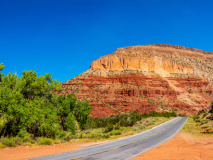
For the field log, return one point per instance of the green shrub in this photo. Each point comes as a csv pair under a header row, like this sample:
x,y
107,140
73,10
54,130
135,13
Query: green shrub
x,y
96,134
204,115
68,137
108,129
116,132
105,135
195,117
123,120
2,146
117,127
28,144
57,141
45,141
135,128
7,142
80,136
150,123
142,127
18,140
60,135
197,120
200,111
204,121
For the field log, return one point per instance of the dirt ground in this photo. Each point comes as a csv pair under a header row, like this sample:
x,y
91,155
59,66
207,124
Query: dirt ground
x,y
22,152
182,147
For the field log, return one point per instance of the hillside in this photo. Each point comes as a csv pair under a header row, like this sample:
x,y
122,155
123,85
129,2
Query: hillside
x,y
146,78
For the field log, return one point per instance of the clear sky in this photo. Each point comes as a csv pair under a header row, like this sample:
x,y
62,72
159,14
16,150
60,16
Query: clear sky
x,y
63,37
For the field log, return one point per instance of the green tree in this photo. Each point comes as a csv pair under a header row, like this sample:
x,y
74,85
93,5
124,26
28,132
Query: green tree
x,y
1,68
32,86
65,106
30,104
81,112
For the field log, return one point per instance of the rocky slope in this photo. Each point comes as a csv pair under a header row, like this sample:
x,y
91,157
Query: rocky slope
x,y
146,78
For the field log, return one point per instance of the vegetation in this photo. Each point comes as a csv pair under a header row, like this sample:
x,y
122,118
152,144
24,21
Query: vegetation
x,y
30,108
200,124
123,120
32,112
115,131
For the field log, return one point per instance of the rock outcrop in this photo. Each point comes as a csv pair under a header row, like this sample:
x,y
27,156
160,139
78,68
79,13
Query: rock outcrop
x,y
146,78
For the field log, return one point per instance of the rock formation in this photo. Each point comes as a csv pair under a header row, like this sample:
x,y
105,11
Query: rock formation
x,y
146,78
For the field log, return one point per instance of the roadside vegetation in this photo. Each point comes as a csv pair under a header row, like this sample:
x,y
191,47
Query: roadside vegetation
x,y
200,124
33,113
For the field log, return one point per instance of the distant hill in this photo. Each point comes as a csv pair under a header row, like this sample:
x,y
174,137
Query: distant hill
x,y
146,78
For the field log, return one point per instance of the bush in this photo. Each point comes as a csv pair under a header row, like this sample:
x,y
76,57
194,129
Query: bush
x,y
116,132
28,144
96,134
18,140
105,135
204,115
7,142
197,120
135,128
195,117
45,141
200,111
68,137
2,146
57,141
28,138
142,127
150,123
123,120
80,136
117,127
108,129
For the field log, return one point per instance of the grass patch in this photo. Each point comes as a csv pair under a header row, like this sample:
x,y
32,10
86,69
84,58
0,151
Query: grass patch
x,y
194,127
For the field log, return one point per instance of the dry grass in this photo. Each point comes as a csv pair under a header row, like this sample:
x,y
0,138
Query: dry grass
x,y
194,128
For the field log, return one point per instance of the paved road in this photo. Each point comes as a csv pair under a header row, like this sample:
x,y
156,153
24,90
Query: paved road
x,y
125,148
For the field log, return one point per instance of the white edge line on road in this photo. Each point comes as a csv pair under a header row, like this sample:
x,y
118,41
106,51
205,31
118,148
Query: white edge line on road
x,y
159,142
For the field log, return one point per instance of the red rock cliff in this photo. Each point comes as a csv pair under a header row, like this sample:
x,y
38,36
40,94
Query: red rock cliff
x,y
146,78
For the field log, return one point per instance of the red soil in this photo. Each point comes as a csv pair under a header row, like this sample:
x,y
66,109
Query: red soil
x,y
181,147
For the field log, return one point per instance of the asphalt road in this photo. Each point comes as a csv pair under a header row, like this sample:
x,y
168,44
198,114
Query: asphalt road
x,y
126,148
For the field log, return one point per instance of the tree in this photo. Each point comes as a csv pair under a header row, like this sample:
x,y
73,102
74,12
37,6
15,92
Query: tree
x,y
1,68
30,104
32,86
81,112
65,106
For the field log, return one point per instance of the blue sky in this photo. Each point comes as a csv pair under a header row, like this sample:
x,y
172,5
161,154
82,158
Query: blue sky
x,y
63,37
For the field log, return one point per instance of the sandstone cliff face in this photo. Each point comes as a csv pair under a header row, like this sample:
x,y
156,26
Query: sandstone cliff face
x,y
140,61
146,78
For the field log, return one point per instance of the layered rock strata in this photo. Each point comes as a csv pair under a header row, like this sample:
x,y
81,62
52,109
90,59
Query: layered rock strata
x,y
146,78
